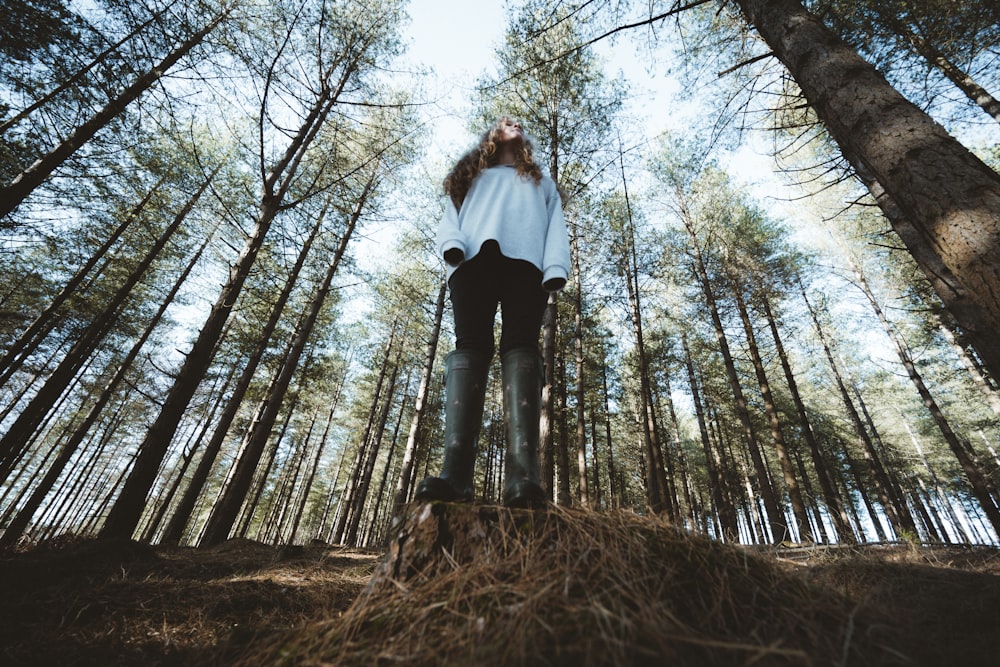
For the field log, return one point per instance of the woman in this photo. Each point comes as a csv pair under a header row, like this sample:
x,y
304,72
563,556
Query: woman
x,y
504,241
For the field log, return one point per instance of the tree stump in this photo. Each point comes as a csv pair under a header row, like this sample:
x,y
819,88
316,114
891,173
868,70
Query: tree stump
x,y
432,538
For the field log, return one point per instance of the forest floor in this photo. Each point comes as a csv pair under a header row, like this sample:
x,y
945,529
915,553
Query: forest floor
x,y
91,602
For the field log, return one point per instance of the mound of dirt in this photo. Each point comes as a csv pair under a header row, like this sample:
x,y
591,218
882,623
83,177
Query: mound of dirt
x,y
466,585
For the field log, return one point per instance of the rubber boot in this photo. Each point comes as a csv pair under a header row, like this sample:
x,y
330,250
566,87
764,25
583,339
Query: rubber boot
x,y
522,398
465,393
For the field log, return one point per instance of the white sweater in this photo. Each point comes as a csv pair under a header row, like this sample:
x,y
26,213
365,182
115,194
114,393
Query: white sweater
x,y
525,219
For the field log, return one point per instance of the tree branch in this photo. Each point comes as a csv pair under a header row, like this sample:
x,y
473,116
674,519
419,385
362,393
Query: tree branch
x,y
591,42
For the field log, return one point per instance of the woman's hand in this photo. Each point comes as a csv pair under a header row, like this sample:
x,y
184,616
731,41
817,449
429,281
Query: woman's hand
x,y
554,284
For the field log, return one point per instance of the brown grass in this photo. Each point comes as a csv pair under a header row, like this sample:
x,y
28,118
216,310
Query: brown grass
x,y
559,587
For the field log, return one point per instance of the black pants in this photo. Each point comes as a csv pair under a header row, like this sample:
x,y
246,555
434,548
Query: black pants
x,y
481,284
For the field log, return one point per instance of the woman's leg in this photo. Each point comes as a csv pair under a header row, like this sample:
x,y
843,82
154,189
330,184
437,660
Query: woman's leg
x,y
474,305
523,301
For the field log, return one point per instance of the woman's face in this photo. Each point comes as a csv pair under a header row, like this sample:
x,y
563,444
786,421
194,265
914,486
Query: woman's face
x,y
509,130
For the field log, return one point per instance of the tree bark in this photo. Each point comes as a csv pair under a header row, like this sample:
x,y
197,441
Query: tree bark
x,y
951,197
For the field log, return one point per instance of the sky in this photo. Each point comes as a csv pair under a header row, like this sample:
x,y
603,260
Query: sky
x,y
459,44
457,38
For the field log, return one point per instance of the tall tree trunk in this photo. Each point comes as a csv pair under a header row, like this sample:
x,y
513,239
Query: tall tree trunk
x,y
656,482
29,179
125,513
21,521
895,508
988,391
420,404
300,507
347,499
182,513
949,195
547,415
13,443
717,481
227,508
979,484
777,434
613,495
80,73
955,296
775,516
364,484
29,340
975,92
581,423
563,495
675,428
834,502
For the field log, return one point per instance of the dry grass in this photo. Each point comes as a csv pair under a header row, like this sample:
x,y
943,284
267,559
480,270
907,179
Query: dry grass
x,y
574,588
513,588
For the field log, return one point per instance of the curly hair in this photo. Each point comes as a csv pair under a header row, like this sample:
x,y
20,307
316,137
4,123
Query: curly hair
x,y
484,155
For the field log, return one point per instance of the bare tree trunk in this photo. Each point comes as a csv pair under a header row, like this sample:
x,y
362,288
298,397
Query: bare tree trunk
x,y
361,494
989,392
581,421
775,516
13,443
416,422
949,195
833,500
125,514
979,484
777,435
371,535
563,495
29,179
182,514
16,353
613,494
979,95
717,481
656,482
681,462
21,521
347,499
227,509
955,296
546,434
895,508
